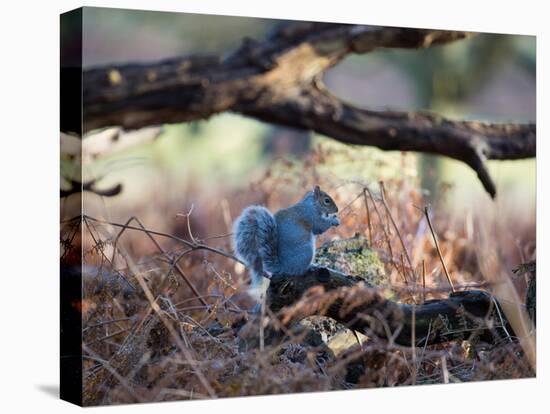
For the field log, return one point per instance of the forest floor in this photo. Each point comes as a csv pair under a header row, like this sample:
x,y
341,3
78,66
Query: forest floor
x,y
163,311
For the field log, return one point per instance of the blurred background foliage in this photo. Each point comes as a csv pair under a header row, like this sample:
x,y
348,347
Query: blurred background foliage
x,y
489,77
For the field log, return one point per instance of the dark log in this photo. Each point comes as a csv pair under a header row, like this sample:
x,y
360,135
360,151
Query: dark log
x,y
463,315
76,187
530,269
279,80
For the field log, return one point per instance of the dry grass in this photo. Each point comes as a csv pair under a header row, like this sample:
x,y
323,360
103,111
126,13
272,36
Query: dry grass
x,y
160,312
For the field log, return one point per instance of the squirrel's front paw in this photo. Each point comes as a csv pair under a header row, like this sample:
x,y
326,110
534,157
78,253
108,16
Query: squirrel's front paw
x,y
335,221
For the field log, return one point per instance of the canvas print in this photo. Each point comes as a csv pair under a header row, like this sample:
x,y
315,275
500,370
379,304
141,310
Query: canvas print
x,y
255,206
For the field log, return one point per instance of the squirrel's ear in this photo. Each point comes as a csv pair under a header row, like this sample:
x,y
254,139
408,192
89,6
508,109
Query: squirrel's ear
x,y
317,191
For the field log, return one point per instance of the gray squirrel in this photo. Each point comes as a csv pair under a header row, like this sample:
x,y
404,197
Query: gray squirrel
x,y
283,243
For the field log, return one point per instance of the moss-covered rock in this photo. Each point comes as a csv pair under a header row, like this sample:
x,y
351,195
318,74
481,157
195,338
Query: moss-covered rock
x,y
353,257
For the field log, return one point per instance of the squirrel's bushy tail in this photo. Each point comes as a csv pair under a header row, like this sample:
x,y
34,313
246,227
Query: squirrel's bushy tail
x,y
255,240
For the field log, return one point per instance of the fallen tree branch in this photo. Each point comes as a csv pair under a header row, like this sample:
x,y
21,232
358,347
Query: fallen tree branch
x,y
76,187
463,315
106,142
280,80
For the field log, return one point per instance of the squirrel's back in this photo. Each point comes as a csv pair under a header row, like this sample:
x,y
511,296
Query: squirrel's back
x,y
296,241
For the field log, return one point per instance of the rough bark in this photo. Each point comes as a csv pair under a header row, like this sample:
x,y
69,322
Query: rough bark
x,y
76,187
463,315
279,80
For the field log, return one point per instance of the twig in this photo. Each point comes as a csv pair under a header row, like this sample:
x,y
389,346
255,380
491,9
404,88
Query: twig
x,y
188,219
219,236
445,289
226,213
179,393
423,281
426,341
93,356
193,245
369,224
497,307
219,276
426,213
95,325
97,243
103,338
444,369
383,197
161,250
261,321
387,237
156,308
348,205
413,343
389,213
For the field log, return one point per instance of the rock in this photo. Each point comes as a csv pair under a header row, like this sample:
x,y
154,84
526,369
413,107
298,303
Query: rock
x,y
318,330
353,257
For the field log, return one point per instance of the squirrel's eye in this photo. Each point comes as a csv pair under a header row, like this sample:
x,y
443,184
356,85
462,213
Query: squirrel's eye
x,y
327,200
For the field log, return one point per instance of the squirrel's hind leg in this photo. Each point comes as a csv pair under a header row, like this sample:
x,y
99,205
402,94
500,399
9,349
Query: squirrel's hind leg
x,y
259,283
